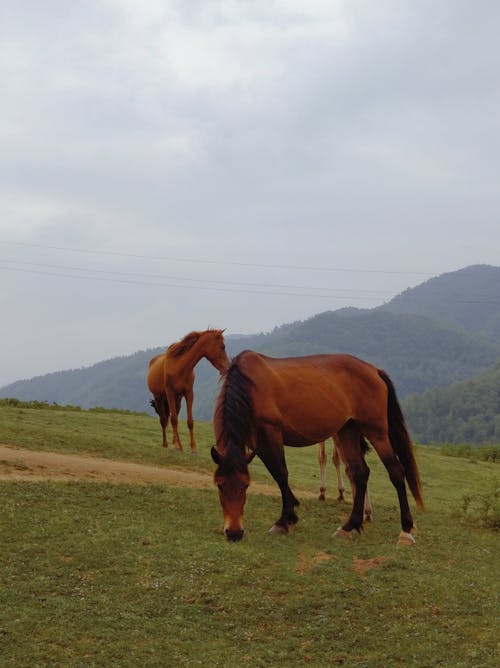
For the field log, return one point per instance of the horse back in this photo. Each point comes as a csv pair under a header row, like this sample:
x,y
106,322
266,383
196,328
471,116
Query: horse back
x,y
312,397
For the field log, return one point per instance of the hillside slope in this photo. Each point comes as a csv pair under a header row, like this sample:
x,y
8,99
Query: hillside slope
x,y
466,412
418,351
469,298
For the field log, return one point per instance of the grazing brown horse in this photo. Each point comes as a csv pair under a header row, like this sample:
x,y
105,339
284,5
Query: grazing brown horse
x,y
171,377
368,510
266,402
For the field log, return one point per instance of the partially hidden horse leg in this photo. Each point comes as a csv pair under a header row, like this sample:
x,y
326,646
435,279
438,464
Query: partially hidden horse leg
x,y
174,402
396,473
322,470
368,510
336,463
358,472
190,421
271,451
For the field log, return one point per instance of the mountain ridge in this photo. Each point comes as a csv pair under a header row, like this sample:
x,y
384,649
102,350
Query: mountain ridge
x,y
419,350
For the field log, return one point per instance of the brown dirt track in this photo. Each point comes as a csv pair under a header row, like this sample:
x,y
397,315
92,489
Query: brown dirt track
x,y
20,464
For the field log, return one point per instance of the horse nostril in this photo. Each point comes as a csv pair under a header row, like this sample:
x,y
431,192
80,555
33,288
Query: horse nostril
x,y
234,535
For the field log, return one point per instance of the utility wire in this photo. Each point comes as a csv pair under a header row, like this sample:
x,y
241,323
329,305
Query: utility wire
x,y
91,271
216,262
204,288
187,287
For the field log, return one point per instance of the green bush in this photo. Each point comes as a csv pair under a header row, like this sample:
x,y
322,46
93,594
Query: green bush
x,y
483,509
485,453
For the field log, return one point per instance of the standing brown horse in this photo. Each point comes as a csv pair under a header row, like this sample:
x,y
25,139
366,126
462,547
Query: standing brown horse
x,y
171,377
266,403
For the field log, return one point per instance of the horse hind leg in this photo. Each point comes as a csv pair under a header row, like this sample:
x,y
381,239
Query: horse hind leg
x,y
322,470
174,403
336,463
358,472
397,476
190,422
161,407
368,509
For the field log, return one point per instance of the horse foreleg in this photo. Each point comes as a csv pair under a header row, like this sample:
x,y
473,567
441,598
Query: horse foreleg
x,y
190,421
271,451
322,470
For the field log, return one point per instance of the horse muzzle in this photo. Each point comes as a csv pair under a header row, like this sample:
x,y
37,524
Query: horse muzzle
x,y
234,536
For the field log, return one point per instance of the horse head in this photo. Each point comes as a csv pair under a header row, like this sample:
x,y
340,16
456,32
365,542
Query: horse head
x,y
215,350
232,479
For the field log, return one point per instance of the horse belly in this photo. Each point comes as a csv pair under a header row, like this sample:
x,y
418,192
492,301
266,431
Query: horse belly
x,y
295,439
308,423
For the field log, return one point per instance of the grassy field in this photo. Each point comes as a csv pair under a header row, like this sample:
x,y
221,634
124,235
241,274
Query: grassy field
x,y
95,574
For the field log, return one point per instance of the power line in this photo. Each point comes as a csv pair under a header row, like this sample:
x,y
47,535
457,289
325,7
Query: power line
x,y
173,285
285,286
204,288
217,262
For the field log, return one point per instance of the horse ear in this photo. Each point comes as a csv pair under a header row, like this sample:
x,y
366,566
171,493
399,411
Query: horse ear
x,y
215,455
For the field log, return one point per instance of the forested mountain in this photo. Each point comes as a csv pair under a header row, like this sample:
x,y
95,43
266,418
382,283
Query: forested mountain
x,y
450,336
466,412
469,298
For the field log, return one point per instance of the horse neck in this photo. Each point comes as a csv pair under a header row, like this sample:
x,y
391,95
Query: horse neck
x,y
192,356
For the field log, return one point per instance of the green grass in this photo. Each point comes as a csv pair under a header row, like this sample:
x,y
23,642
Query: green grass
x,y
97,574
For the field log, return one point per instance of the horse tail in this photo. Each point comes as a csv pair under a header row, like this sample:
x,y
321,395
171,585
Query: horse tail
x,y
234,410
401,441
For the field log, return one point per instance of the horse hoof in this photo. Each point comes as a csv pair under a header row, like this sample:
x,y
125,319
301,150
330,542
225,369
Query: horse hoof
x,y
194,452
278,530
342,533
405,539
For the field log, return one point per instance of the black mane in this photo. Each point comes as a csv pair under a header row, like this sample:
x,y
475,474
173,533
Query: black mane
x,y
235,413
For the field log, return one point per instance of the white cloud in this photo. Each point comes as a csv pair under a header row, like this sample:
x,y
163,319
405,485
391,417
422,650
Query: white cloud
x,y
306,132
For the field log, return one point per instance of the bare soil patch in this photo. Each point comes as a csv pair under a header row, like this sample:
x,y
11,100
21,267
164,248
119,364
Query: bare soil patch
x,y
305,564
362,566
20,464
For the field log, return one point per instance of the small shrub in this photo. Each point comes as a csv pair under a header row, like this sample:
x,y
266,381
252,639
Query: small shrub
x,y
484,453
483,509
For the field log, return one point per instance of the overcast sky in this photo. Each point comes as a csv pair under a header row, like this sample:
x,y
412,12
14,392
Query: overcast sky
x,y
168,166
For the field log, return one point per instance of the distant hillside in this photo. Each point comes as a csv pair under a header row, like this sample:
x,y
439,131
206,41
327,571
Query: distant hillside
x,y
418,353
466,412
469,298
419,350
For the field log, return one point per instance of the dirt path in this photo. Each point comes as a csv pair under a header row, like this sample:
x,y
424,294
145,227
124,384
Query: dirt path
x,y
20,464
